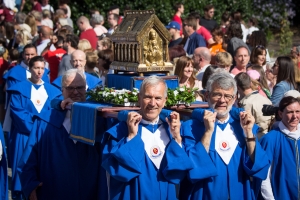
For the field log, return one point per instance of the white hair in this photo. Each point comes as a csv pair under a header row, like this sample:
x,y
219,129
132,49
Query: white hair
x,y
223,79
72,72
153,80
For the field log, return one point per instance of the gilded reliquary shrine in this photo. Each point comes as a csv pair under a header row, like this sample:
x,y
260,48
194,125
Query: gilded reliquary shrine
x,y
140,44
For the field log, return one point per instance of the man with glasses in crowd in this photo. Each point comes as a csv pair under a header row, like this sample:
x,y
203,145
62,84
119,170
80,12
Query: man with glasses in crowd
x,y
207,21
194,40
222,144
53,166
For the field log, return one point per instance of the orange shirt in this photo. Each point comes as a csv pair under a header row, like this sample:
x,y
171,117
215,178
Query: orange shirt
x,y
215,48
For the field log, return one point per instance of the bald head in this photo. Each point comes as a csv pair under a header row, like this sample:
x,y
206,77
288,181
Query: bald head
x,y
45,32
204,52
201,57
78,59
83,23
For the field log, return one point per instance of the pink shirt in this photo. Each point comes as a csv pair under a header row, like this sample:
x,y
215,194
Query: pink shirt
x,y
99,30
236,71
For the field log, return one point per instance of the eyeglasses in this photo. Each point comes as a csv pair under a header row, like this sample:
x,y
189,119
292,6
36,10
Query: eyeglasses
x,y
218,96
72,89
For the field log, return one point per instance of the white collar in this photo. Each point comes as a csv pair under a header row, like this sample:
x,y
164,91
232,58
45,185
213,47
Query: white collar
x,y
225,121
41,83
204,68
285,130
24,65
157,121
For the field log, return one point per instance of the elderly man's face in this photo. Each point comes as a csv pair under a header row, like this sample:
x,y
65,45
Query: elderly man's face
x,y
74,87
78,61
80,25
152,101
242,57
220,100
197,59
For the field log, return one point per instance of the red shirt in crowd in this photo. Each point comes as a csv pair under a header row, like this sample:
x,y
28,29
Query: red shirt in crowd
x,y
120,20
3,66
91,36
204,32
54,58
37,7
176,18
8,14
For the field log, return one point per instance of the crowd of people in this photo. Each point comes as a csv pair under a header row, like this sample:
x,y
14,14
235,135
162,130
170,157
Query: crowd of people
x,y
243,146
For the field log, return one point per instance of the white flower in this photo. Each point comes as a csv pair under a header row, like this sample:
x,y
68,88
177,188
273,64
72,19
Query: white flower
x,y
120,97
175,92
134,93
125,100
181,89
113,93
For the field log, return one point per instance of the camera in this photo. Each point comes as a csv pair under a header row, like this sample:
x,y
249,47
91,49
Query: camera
x,y
269,110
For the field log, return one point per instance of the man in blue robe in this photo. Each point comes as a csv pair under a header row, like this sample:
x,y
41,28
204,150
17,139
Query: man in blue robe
x,y
21,72
17,74
54,166
282,146
222,146
29,98
143,156
78,61
3,168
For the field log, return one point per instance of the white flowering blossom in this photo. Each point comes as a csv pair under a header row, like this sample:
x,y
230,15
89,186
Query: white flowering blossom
x,y
125,100
134,93
120,97
114,93
181,89
175,92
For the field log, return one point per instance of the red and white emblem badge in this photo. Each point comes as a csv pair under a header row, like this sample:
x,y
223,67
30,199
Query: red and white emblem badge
x,y
224,145
155,151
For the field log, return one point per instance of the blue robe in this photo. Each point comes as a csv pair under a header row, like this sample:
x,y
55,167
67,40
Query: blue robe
x,y
91,82
18,74
211,178
22,114
282,151
3,170
67,170
132,173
